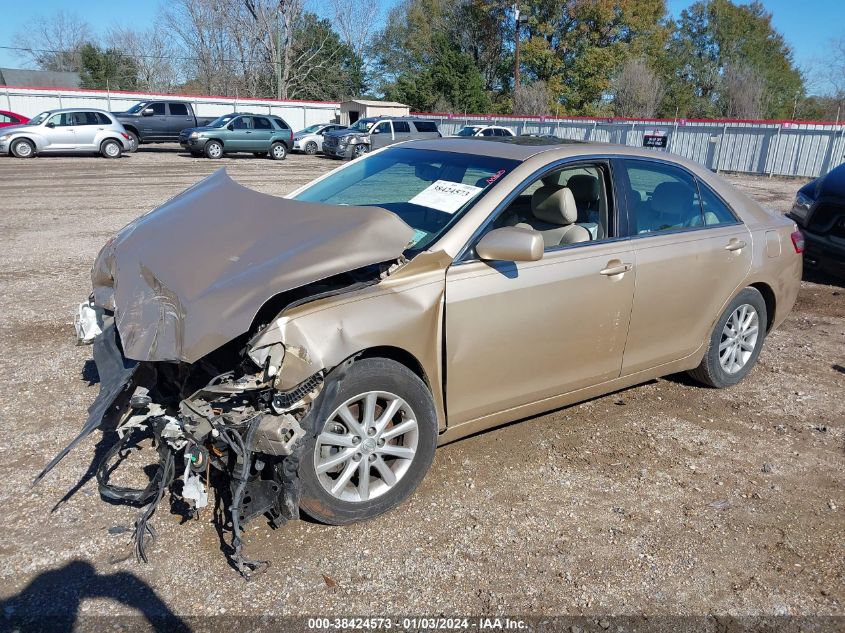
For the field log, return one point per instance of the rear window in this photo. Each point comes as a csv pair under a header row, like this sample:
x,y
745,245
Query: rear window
x,y
425,126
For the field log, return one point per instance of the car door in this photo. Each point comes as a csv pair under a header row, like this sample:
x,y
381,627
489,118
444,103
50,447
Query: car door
x,y
87,126
59,131
179,117
688,264
381,135
261,133
239,135
522,332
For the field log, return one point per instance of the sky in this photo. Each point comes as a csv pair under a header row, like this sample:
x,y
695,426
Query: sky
x,y
807,25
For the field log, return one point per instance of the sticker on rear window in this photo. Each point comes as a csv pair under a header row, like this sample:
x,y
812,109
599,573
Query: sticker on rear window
x,y
446,196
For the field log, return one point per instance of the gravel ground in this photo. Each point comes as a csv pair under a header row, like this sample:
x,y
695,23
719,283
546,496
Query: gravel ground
x,y
666,498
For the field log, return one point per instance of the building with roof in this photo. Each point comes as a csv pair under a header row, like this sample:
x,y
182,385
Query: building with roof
x,y
22,78
354,109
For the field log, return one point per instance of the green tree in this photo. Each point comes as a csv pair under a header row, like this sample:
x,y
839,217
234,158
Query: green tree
x,y
106,68
714,35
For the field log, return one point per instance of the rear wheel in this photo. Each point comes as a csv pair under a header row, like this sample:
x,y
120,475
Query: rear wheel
x,y
214,149
278,151
110,148
310,148
736,341
23,148
374,447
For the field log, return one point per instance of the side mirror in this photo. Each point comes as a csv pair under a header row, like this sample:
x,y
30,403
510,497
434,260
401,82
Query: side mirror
x,y
376,131
231,126
50,125
511,244
148,112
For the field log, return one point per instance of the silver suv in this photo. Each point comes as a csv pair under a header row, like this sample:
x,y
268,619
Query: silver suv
x,y
67,130
370,134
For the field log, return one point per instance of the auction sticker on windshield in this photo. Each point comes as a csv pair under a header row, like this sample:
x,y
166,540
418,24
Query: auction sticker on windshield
x,y
446,196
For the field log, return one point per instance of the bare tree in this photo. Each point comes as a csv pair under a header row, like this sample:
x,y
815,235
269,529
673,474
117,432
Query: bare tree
x,y
53,42
531,99
154,54
743,91
637,90
356,23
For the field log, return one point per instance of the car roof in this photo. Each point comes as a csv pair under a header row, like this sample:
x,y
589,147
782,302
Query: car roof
x,y
61,110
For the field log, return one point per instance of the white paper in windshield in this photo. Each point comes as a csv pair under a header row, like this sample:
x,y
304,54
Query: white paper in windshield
x,y
446,196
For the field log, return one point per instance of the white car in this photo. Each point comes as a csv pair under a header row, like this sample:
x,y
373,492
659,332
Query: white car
x,y
310,140
485,130
66,130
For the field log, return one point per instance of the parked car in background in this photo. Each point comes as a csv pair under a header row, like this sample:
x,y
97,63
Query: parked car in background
x,y
369,134
10,118
66,130
485,130
159,121
819,209
259,134
310,140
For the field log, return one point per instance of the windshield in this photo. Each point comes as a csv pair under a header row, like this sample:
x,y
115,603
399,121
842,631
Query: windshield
x,y
361,125
222,121
135,109
311,129
37,120
428,189
468,131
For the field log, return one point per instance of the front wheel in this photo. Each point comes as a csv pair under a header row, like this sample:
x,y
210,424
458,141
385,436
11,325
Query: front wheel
x,y
360,149
310,148
23,148
736,341
214,149
374,447
278,151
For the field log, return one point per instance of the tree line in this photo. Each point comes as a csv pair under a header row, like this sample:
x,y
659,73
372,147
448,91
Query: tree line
x,y
628,58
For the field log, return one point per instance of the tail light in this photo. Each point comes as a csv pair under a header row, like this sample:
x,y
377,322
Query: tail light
x,y
126,136
797,241
291,137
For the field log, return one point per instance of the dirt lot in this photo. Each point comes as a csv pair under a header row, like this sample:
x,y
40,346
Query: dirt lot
x,y
666,498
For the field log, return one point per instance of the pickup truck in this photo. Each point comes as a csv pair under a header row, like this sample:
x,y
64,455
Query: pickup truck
x,y
158,121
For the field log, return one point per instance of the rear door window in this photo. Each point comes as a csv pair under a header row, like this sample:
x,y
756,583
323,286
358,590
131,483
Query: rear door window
x,y
178,109
401,126
663,197
261,123
715,211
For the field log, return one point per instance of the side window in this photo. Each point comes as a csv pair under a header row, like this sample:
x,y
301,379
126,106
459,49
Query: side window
x,y
178,109
715,211
5,119
425,126
566,206
261,123
382,128
280,122
663,197
102,119
488,132
158,108
242,123
401,126
60,120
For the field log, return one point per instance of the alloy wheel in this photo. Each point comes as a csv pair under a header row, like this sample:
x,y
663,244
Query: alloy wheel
x,y
739,338
366,446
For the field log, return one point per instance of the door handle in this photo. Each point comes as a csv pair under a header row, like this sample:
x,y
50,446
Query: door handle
x,y
614,268
735,245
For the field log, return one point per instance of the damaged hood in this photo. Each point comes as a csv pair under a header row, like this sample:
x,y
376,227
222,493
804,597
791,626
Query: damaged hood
x,y
191,275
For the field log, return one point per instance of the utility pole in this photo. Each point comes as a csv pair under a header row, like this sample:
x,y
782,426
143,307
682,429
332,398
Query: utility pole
x,y
516,50
279,51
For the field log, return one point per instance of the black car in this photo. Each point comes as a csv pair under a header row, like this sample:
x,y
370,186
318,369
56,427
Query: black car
x,y
819,210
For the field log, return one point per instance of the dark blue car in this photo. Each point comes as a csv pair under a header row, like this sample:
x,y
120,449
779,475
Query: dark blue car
x,y
819,209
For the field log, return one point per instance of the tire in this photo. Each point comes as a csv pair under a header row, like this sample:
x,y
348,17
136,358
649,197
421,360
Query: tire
x,y
110,148
213,150
278,151
388,380
134,142
360,149
310,148
23,148
734,333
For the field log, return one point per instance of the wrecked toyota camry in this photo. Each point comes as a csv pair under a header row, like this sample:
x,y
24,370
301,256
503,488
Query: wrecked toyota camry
x,y
309,352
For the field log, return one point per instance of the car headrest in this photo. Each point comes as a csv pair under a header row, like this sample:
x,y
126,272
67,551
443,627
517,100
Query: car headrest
x,y
584,187
554,205
672,198
553,180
